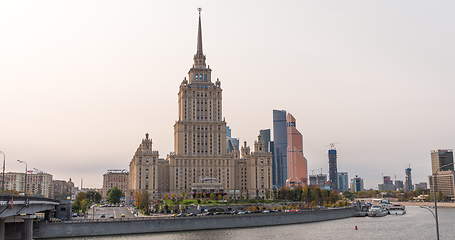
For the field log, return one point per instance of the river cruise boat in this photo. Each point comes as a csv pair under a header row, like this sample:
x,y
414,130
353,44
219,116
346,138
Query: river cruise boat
x,y
396,209
377,211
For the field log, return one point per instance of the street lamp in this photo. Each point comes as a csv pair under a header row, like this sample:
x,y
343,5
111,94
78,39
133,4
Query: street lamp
x,y
25,182
3,173
435,213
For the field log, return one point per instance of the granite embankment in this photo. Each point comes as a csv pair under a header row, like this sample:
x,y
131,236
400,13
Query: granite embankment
x,y
147,225
428,204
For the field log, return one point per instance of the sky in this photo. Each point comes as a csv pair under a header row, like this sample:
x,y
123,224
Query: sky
x,y
81,82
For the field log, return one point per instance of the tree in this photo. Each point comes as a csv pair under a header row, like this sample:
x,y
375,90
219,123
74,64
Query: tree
x,y
142,201
85,204
114,195
212,196
77,205
93,196
348,195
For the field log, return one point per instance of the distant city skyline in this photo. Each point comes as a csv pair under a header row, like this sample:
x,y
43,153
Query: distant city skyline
x,y
81,83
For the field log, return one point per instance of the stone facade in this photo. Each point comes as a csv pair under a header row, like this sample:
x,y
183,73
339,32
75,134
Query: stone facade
x,y
146,171
200,159
38,184
63,190
115,178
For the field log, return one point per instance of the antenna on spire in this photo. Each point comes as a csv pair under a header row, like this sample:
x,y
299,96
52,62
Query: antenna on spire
x,y
199,10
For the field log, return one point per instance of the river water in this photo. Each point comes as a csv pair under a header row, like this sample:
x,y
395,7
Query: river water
x,y
418,223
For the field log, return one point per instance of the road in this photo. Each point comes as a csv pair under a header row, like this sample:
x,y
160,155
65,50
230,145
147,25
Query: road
x,y
116,212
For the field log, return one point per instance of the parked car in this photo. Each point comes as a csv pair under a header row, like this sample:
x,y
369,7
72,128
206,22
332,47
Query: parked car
x,y
103,216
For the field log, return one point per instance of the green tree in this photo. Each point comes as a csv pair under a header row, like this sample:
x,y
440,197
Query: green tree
x,y
212,196
85,204
114,195
348,195
77,204
93,196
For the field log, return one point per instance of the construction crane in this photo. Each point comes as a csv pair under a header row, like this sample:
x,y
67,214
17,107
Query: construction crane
x,y
333,145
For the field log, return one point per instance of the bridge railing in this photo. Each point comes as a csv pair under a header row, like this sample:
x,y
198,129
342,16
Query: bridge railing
x,y
7,198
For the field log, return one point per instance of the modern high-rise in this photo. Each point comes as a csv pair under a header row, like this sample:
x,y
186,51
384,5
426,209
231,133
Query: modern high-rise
x,y
343,181
280,142
297,163
399,185
387,184
442,160
318,180
421,186
357,184
233,144
265,138
408,186
333,171
442,179
443,182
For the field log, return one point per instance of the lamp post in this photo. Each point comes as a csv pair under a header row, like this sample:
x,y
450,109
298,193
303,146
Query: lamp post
x,y
3,172
26,170
435,213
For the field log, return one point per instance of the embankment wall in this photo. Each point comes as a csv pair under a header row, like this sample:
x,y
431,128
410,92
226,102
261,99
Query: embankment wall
x,y
156,225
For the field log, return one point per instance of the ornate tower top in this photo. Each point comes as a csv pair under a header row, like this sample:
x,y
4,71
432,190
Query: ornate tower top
x,y
199,58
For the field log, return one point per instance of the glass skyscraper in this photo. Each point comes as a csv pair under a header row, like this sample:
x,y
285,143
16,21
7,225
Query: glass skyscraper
x,y
280,140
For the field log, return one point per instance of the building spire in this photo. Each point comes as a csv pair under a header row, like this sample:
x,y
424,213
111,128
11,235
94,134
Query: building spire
x,y
199,35
199,58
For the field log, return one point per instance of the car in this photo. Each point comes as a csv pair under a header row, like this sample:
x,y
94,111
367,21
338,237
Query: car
x,y
241,212
123,215
74,215
266,211
180,215
103,216
112,216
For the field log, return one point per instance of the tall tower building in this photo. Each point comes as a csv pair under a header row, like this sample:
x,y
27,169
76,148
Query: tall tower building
x,y
280,143
343,181
202,163
357,184
297,163
408,186
442,179
442,160
265,139
333,171
200,153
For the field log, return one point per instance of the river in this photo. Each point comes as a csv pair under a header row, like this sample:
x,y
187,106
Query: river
x,y
418,223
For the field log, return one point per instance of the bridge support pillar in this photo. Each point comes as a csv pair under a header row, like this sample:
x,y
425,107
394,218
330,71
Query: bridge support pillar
x,y
2,228
27,232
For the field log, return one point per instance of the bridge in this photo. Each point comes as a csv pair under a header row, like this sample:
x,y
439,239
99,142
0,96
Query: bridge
x,y
18,212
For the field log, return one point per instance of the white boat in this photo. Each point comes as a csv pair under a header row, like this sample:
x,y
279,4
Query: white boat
x,y
396,210
377,211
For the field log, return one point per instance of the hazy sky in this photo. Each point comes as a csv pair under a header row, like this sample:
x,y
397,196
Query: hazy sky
x,y
81,82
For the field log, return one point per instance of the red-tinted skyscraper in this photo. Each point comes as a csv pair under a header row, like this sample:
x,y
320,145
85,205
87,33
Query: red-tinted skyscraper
x,y
297,163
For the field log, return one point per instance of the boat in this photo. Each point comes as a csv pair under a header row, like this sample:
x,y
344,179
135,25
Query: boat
x,y
377,211
396,209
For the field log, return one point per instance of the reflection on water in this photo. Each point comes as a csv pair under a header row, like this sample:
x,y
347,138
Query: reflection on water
x,y
416,224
